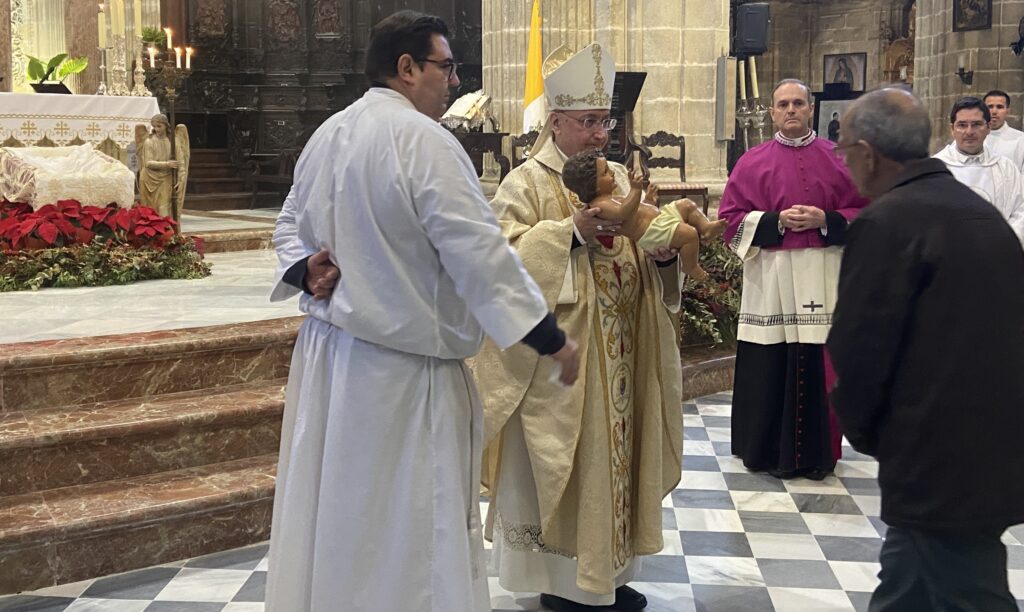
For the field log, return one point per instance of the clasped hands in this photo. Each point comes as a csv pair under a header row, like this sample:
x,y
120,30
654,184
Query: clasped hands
x,y
801,217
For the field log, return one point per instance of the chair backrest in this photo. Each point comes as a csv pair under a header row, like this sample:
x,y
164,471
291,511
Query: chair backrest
x,y
521,146
665,139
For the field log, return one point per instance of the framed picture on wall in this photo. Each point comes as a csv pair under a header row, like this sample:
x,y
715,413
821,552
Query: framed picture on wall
x,y
829,109
972,15
846,68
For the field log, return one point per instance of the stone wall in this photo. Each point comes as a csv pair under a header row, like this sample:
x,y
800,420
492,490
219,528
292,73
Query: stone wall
x,y
676,43
935,63
5,45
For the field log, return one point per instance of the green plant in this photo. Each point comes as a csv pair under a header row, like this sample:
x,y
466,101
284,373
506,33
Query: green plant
x,y
154,36
710,309
60,66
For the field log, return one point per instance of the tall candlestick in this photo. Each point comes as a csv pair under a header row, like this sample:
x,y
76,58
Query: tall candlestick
x,y
117,16
152,57
177,57
101,20
743,80
137,14
167,31
753,78
188,57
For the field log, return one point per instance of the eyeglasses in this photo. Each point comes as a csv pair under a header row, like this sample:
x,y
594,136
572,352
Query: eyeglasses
x,y
963,126
450,65
590,123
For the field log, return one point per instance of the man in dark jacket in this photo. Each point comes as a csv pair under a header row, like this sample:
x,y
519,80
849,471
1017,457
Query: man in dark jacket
x,y
928,344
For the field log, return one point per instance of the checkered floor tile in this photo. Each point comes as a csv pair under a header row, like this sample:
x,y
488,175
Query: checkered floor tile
x,y
734,541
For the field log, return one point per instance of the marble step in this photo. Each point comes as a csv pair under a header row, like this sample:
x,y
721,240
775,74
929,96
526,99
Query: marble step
x,y
214,185
51,374
213,170
225,241
209,156
49,449
706,370
70,534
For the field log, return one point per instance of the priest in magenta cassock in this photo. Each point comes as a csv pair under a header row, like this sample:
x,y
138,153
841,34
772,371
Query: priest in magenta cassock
x,y
788,203
377,501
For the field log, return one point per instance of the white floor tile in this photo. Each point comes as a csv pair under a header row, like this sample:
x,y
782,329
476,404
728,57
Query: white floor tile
x,y
830,485
809,600
785,546
763,501
701,519
204,585
698,447
673,543
108,605
724,570
243,606
73,589
855,576
713,481
719,434
870,505
668,597
850,525
732,465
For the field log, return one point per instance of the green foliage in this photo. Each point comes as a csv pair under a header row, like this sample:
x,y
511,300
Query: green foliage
x,y
58,64
710,308
154,35
98,264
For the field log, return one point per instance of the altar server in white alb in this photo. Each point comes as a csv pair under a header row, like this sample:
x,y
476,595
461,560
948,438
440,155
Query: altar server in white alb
x,y
378,478
993,177
1003,139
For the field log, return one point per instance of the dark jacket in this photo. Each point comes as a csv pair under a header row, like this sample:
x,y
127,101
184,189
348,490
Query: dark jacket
x,y
928,345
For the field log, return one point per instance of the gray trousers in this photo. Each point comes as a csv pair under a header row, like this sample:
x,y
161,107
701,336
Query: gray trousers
x,y
940,572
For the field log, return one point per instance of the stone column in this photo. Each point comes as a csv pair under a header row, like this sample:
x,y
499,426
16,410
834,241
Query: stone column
x,y
676,43
935,64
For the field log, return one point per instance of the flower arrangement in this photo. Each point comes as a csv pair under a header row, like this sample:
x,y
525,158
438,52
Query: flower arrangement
x,y
710,308
70,245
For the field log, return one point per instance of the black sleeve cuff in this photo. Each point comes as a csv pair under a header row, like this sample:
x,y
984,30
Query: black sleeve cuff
x,y
575,242
767,233
296,275
667,262
546,338
835,225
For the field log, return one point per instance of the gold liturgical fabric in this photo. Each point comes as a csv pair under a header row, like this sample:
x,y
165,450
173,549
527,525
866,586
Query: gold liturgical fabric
x,y
605,452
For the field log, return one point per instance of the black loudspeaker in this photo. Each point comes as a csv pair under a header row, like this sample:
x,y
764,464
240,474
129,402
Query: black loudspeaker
x,y
751,33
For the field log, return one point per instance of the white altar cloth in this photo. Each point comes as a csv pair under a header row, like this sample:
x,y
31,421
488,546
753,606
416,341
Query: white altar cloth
x,y
46,175
62,118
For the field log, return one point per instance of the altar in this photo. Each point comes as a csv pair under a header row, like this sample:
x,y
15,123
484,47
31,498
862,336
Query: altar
x,y
60,119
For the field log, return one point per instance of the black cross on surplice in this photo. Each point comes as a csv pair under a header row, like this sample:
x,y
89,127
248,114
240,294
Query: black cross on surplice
x,y
813,306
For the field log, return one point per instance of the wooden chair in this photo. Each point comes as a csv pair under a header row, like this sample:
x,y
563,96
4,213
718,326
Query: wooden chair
x,y
674,189
521,146
277,170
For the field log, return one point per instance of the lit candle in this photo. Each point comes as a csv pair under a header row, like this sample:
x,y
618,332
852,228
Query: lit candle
x,y
177,56
102,21
753,78
167,31
152,57
137,14
743,80
188,57
117,16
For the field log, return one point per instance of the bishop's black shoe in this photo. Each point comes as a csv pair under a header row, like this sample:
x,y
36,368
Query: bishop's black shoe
x,y
560,604
628,599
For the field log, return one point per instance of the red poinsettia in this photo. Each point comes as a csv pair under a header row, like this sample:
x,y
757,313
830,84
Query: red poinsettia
x,y
68,222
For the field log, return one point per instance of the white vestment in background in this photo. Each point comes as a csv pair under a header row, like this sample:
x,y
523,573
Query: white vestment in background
x,y
377,503
1009,143
993,177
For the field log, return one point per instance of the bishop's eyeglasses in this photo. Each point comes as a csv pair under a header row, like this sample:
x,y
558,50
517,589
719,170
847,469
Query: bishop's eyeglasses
x,y
590,123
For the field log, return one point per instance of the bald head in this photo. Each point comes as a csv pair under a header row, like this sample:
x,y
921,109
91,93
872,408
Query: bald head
x,y
893,121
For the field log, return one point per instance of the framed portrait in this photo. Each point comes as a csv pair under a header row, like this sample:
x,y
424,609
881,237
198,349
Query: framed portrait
x,y
828,112
849,68
972,15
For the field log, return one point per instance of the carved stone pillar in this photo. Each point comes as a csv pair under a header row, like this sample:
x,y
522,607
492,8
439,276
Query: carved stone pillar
x,y
5,46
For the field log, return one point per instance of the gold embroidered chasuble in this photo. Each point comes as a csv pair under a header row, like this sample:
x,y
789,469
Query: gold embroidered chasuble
x,y
605,452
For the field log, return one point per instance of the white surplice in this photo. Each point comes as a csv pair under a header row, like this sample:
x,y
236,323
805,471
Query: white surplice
x,y
378,477
1009,143
993,177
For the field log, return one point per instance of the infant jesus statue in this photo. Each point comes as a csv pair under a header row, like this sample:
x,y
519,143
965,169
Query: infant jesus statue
x,y
679,225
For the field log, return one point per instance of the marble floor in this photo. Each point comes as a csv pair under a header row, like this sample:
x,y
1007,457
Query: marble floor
x,y
734,542
235,292
195,222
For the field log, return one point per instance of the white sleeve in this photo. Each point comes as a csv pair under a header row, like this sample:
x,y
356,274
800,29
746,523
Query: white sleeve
x,y
487,272
289,247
